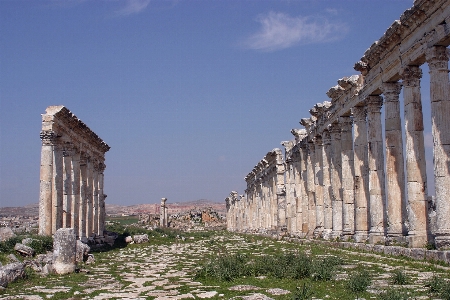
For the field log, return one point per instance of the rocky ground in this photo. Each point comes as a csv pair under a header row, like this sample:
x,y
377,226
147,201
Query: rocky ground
x,y
165,269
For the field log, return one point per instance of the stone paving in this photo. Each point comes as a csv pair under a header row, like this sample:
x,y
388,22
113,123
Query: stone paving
x,y
166,272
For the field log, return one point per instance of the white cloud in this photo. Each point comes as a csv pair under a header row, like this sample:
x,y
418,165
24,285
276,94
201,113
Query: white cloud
x,y
279,31
133,7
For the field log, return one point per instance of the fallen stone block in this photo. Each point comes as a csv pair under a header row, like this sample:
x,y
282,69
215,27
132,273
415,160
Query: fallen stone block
x,y
10,273
82,251
139,239
24,250
6,233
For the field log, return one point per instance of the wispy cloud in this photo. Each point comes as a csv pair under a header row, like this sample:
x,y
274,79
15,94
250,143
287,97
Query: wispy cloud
x,y
133,7
280,31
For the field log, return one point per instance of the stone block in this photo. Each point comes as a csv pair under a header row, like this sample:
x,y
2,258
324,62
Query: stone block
x,y
10,273
82,251
64,251
417,253
139,239
24,250
6,233
432,255
378,248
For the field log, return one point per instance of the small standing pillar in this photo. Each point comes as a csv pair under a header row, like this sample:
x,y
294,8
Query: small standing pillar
x,y
437,58
395,175
348,175
163,213
361,172
376,170
416,177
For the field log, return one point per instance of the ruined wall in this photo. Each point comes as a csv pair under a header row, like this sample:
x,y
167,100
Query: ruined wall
x,y
71,175
343,179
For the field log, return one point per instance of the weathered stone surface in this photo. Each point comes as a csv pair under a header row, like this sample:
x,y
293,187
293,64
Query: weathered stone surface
x,y
64,251
10,273
24,250
128,239
82,251
12,258
6,233
141,238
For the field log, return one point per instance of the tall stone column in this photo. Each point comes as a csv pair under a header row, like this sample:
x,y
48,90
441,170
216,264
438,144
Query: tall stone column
x,y
101,200
326,183
336,183
304,187
89,197
395,174
311,189
75,208
299,197
57,192
437,58
67,186
162,213
376,170
318,182
46,181
289,194
280,192
361,174
348,175
416,178
95,196
83,197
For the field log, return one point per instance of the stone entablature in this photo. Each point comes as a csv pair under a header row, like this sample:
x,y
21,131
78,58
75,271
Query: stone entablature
x,y
336,184
71,177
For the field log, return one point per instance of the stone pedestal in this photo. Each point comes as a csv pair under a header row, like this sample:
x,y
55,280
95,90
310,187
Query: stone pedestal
x,y
64,251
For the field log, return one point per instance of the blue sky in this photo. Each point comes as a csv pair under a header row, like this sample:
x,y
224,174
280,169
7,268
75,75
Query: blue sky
x,y
190,95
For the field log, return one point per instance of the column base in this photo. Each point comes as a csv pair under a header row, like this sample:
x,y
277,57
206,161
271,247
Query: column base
x,y
318,232
397,240
336,235
361,236
347,236
376,238
327,234
442,241
416,240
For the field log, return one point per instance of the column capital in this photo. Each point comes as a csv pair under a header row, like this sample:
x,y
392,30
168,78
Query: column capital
x,y
48,137
437,58
411,75
359,113
374,104
391,90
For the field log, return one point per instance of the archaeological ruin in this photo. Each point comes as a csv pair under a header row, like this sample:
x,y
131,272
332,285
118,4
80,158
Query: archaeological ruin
x,y
71,175
339,178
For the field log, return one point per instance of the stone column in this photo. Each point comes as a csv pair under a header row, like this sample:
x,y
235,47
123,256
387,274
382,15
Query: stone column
x,y
348,175
395,174
299,197
326,183
318,182
83,198
162,213
289,192
89,197
95,203
304,188
280,192
311,189
336,184
57,192
361,172
75,193
46,180
101,200
437,58
416,178
376,170
67,186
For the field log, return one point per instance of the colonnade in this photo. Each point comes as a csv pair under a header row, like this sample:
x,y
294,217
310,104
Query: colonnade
x,y
351,175
71,175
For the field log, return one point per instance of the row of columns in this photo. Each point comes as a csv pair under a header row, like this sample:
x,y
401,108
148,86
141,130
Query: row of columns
x,y
347,181
71,185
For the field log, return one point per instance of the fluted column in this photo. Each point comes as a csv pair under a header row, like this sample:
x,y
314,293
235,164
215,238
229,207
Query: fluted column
x,y
57,185
83,197
437,58
311,189
75,207
376,170
348,175
304,187
101,200
336,183
67,187
361,174
326,183
89,196
95,196
416,178
395,174
46,181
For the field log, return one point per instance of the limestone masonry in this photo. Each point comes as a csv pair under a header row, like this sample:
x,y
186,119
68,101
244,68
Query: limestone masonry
x,y
339,178
71,177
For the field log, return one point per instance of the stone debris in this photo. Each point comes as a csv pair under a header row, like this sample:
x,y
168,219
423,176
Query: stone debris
x,y
244,288
24,250
139,239
11,272
277,291
6,233
82,251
